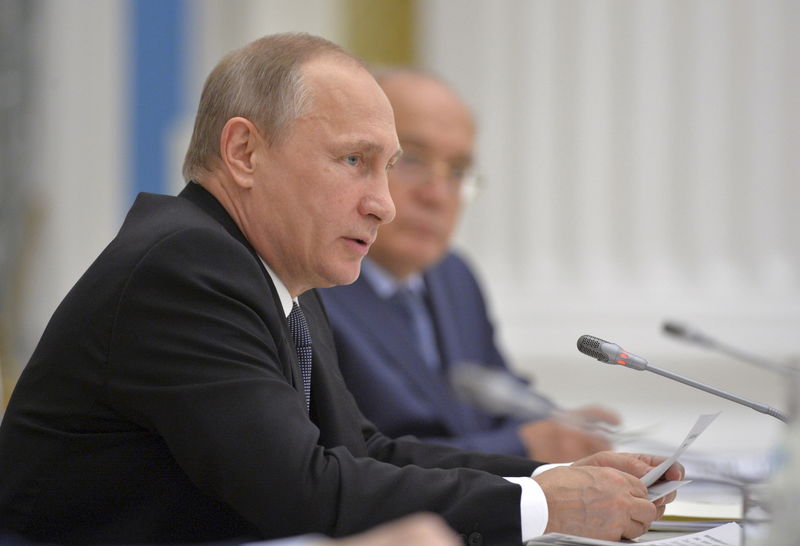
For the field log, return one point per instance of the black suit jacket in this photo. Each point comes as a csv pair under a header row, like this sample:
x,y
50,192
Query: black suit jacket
x,y
163,403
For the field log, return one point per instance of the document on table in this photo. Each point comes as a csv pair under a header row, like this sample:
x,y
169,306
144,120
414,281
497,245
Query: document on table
x,y
724,535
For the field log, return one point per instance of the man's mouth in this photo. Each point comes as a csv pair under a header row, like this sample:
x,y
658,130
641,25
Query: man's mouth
x,y
360,243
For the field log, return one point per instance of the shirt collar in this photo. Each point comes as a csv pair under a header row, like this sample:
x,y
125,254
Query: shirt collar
x,y
283,293
387,285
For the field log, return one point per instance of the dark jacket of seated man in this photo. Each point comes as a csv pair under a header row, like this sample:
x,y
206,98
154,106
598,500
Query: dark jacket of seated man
x,y
164,404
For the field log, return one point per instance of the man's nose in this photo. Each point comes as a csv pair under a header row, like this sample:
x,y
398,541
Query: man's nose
x,y
379,203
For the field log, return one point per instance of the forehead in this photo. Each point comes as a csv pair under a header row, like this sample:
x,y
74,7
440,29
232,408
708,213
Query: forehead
x,y
426,109
345,95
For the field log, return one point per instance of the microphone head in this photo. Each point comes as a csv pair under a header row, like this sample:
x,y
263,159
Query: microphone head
x,y
672,328
686,332
590,345
610,353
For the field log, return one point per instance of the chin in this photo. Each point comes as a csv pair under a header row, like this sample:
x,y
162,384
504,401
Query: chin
x,y
346,275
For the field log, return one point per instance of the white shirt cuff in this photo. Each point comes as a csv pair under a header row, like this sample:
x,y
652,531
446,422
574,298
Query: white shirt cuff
x,y
533,513
532,508
545,467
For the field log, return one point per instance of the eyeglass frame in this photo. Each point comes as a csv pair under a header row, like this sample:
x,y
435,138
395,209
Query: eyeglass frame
x,y
465,183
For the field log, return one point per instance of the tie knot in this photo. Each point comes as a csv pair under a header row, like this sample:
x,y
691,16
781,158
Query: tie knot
x,y
407,296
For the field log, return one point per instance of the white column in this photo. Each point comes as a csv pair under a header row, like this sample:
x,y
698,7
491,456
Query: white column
x,y
772,113
639,162
710,137
77,158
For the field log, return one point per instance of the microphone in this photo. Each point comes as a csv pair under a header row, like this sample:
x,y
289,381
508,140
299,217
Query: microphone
x,y
498,392
693,335
611,353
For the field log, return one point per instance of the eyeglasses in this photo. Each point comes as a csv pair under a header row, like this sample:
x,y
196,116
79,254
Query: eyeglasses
x,y
417,169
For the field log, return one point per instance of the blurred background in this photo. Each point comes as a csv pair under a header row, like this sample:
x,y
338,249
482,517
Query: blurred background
x,y
640,161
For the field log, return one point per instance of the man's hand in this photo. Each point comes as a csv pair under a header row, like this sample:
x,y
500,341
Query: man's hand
x,y
596,502
417,529
597,413
602,497
636,464
550,441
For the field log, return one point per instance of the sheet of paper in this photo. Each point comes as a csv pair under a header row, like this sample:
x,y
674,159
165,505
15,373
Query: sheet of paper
x,y
660,489
724,535
700,425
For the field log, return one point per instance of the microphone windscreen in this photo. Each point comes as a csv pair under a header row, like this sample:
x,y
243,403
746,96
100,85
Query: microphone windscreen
x,y
674,328
590,345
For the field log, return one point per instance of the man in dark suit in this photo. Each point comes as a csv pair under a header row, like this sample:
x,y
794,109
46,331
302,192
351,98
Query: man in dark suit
x,y
187,387
417,311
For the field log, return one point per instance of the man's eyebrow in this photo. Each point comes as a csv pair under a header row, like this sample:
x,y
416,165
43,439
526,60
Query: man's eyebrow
x,y
373,148
368,146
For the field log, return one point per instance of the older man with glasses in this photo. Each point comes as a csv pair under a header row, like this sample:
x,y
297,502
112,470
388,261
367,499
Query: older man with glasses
x,y
417,311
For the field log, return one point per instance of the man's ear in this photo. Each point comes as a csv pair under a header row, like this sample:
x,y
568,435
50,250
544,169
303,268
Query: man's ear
x,y
238,144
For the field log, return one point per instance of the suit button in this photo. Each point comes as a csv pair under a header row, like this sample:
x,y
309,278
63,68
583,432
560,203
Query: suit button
x,y
475,539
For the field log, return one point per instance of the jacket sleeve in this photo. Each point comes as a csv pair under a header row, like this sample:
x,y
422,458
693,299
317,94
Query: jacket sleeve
x,y
503,439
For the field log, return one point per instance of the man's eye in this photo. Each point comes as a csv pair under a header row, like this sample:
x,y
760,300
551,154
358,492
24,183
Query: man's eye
x,y
353,159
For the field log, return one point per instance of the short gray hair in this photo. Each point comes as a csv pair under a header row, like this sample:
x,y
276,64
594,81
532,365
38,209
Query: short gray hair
x,y
262,82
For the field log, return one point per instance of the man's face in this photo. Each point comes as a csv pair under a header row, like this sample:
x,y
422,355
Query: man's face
x,y
437,135
321,193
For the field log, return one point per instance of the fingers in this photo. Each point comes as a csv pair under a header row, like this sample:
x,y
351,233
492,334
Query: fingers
x,y
636,464
675,472
640,511
642,514
626,462
635,528
637,488
663,501
550,441
599,413
595,443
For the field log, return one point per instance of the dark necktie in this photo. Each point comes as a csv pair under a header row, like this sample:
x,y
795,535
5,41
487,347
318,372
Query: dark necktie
x,y
418,317
302,344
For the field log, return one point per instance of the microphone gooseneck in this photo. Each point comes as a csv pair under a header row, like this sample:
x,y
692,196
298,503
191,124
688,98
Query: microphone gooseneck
x,y
611,353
